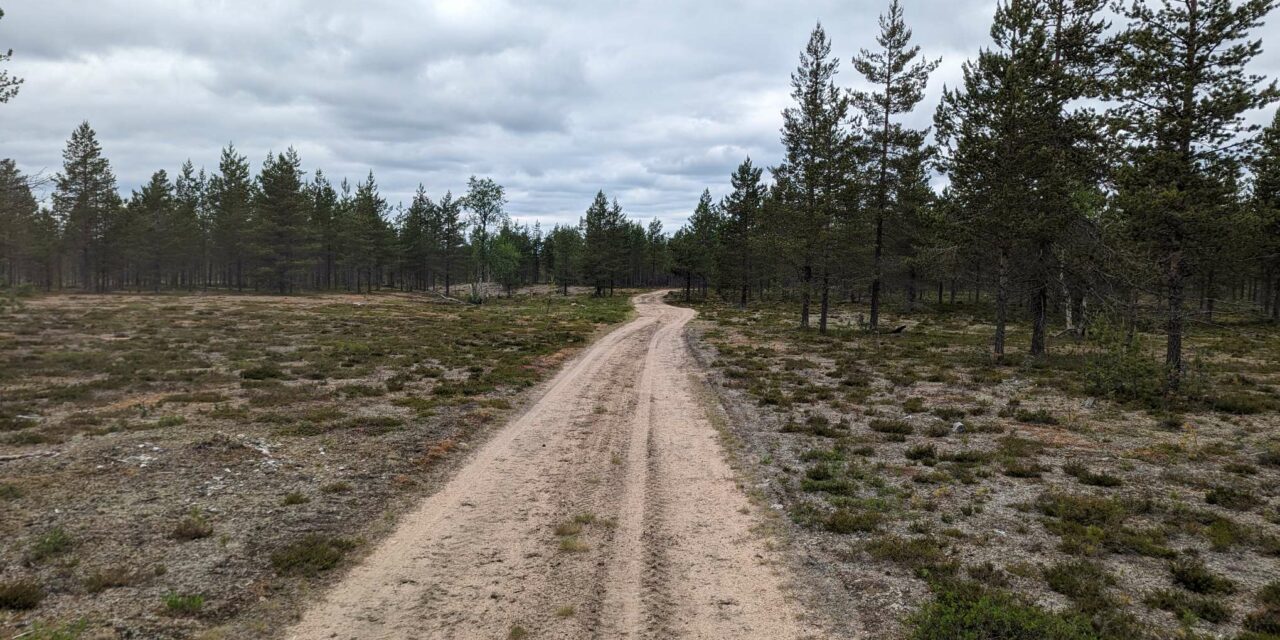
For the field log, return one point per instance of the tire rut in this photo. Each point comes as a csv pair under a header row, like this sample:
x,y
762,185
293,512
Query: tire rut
x,y
606,510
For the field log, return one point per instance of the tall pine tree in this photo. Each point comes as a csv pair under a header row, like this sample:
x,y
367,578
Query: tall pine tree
x,y
86,203
1182,87
899,82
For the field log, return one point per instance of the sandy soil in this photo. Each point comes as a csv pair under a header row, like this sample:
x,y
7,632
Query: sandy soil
x,y
607,510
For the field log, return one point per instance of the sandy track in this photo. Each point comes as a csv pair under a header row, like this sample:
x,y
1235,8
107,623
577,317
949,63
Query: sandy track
x,y
620,442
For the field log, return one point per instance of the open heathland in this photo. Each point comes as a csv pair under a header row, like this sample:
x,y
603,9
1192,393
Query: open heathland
x,y
190,465
933,492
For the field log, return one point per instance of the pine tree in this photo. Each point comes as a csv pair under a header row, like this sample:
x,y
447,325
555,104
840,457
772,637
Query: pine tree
x,y
899,83
704,235
1182,86
415,237
741,228
8,84
913,213
656,251
230,194
998,135
598,236
188,252
565,253
281,238
148,240
449,229
369,233
326,224
86,203
816,163
1266,206
18,226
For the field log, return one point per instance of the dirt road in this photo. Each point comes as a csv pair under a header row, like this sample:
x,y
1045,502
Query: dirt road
x,y
606,510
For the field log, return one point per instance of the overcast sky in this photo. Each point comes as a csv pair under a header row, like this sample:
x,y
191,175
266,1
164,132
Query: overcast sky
x,y
650,101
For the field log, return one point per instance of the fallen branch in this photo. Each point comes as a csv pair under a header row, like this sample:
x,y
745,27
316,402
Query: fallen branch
x,y
34,454
444,297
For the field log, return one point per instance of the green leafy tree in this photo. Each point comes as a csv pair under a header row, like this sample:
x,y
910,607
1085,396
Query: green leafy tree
x,y
486,201
505,259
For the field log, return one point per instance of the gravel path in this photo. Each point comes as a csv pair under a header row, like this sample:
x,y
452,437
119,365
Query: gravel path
x,y
607,510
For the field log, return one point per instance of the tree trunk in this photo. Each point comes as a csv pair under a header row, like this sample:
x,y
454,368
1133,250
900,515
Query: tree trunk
x,y
1210,293
1040,303
875,279
824,304
804,296
1002,303
1275,300
1039,319
1175,281
911,290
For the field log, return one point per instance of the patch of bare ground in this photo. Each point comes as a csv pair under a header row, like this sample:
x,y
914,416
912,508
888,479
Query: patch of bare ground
x,y
177,466
931,492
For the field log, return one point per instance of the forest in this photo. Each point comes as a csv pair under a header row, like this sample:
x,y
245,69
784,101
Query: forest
x,y
1096,162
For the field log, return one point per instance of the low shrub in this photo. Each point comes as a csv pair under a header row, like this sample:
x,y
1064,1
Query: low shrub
x,y
192,527
1183,605
849,521
20,594
1192,575
311,555
1232,498
183,604
896,427
973,612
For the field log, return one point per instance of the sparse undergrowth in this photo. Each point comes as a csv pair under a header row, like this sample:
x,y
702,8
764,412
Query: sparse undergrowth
x,y
270,433
1078,501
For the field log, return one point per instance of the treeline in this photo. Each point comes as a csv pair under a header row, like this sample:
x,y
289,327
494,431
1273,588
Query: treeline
x,y
283,231
1094,171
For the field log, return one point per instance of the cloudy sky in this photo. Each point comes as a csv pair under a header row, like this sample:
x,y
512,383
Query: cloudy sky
x,y
652,101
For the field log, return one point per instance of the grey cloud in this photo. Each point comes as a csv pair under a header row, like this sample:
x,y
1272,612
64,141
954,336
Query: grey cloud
x,y
651,101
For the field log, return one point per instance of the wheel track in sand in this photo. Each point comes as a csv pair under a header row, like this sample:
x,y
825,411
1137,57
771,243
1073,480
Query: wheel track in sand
x,y
619,434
